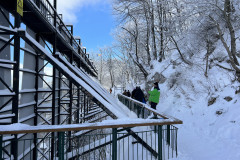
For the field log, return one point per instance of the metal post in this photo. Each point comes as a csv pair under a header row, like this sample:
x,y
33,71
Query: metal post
x,y
14,143
54,81
36,100
138,111
78,104
176,143
70,107
61,145
87,105
55,13
114,144
53,99
84,106
59,97
160,143
168,134
1,147
142,111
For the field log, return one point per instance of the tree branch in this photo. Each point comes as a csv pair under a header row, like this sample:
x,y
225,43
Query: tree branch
x,y
179,51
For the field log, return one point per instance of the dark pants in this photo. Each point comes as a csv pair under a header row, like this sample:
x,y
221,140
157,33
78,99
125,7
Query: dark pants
x,y
153,105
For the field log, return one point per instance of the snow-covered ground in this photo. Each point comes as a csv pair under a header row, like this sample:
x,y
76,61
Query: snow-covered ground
x,y
208,132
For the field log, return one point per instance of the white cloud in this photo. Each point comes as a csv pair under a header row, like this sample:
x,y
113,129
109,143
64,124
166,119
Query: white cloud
x,y
70,8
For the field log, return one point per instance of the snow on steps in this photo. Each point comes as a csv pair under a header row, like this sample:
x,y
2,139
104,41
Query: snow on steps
x,y
98,92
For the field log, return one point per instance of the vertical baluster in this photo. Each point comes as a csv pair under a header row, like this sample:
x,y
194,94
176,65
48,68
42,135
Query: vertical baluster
x,y
176,143
1,147
24,148
168,134
142,146
151,132
89,146
160,143
128,147
114,144
123,147
31,148
137,146
61,145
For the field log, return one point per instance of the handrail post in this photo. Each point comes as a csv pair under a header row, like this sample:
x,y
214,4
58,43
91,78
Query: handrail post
x,y
160,143
114,144
168,134
138,111
61,145
142,112
1,147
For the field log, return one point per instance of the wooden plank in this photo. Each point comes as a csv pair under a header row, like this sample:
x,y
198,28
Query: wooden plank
x,y
20,128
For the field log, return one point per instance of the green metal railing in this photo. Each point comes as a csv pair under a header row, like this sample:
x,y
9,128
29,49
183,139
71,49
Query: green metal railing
x,y
142,110
134,106
131,139
115,144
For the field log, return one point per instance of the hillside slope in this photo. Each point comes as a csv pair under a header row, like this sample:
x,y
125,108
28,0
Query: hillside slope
x,y
208,106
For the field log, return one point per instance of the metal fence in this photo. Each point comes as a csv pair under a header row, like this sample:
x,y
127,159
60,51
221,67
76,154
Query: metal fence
x,y
144,112
134,106
108,144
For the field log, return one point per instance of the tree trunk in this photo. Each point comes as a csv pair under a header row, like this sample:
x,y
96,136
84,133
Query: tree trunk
x,y
179,51
161,21
227,15
147,38
153,32
140,66
233,64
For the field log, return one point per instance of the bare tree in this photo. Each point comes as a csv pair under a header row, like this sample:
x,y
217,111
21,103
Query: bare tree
x,y
227,12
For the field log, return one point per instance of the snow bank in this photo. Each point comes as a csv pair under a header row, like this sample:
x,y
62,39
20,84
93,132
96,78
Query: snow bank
x,y
208,132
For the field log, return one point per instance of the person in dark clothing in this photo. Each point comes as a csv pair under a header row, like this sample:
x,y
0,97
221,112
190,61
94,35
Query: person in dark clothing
x,y
125,93
133,93
128,93
138,95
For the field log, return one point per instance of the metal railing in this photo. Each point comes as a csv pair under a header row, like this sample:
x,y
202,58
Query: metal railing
x,y
142,110
103,140
135,106
48,11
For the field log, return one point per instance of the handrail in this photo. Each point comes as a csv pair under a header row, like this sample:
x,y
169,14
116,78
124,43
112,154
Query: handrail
x,y
143,105
22,128
51,10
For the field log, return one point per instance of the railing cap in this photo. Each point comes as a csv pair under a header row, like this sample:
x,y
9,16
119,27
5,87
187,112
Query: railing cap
x,y
19,128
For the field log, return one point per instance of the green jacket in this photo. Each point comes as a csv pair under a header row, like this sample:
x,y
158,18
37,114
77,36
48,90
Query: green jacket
x,y
154,96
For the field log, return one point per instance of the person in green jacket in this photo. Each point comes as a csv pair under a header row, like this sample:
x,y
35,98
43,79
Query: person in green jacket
x,y
154,95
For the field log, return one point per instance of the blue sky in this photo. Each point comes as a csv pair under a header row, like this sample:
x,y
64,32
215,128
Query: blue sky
x,y
92,21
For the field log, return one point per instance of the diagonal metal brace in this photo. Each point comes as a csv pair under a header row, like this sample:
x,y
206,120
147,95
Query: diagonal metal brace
x,y
5,16
5,84
6,44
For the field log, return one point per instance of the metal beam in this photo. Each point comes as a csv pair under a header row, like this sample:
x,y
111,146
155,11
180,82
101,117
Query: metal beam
x,y
53,96
14,143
